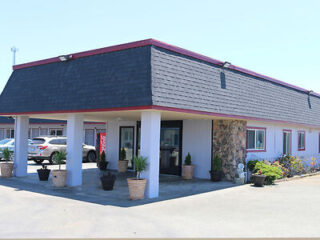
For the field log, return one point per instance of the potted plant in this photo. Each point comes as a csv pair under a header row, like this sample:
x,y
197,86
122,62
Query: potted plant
x,y
216,173
103,163
188,168
6,167
258,179
107,181
59,177
43,173
122,163
137,185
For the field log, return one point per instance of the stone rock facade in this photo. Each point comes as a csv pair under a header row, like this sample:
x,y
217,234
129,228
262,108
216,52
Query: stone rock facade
x,y
229,142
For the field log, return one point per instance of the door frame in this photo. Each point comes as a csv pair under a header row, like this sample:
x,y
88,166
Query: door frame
x,y
171,123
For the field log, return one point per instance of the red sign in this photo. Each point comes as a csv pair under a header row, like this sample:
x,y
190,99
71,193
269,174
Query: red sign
x,y
103,142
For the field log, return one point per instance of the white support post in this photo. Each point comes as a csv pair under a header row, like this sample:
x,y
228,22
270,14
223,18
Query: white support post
x,y
74,149
21,146
150,147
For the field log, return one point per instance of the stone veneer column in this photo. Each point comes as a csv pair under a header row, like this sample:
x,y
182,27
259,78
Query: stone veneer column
x,y
229,142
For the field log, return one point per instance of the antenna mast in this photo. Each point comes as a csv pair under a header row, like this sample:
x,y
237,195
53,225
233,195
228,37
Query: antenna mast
x,y
14,50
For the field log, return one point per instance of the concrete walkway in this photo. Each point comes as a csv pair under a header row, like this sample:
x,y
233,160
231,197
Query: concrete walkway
x,y
288,209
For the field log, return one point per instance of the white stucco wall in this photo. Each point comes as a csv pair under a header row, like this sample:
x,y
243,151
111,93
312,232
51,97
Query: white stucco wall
x,y
274,141
112,141
196,139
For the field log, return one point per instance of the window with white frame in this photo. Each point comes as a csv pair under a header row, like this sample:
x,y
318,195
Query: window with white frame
x,y
56,132
256,139
9,133
301,140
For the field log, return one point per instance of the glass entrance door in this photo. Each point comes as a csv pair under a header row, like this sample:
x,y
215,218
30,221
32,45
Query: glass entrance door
x,y
127,143
170,146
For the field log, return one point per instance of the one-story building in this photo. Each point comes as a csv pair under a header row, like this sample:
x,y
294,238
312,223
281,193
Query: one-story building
x,y
162,101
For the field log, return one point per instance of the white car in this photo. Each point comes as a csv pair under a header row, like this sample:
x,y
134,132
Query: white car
x,y
9,143
45,148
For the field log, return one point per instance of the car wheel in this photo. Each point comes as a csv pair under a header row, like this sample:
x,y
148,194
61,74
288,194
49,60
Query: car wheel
x,y
91,157
52,158
38,161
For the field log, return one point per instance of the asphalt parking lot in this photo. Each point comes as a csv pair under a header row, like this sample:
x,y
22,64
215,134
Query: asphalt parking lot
x,y
287,209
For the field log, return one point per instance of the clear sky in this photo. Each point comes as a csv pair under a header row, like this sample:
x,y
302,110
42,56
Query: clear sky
x,y
280,39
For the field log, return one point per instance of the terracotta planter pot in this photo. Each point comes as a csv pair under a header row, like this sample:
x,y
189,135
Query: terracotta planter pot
x,y
122,166
6,170
188,171
258,180
59,178
136,188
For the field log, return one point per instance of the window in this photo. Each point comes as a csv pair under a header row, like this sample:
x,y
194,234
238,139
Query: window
x,y
256,139
127,143
2,134
56,132
59,141
43,131
10,133
287,142
301,140
89,137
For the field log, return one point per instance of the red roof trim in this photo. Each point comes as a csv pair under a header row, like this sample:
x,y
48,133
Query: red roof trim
x,y
162,108
157,43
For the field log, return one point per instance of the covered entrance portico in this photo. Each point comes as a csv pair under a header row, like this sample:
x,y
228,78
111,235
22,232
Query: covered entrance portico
x,y
150,126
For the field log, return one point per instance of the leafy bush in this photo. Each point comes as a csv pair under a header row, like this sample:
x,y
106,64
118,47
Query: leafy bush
x,y
6,154
122,154
271,172
103,157
293,163
59,157
140,164
251,164
187,161
285,171
216,164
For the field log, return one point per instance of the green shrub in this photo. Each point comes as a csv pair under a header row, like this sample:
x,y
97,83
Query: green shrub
x,y
59,157
216,164
187,161
103,157
6,154
140,164
122,154
251,164
271,172
293,163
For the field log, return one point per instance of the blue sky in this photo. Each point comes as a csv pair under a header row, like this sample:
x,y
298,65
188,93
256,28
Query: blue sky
x,y
280,39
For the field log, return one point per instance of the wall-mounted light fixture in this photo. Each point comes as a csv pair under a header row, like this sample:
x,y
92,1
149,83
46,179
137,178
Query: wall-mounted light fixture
x,y
226,64
65,57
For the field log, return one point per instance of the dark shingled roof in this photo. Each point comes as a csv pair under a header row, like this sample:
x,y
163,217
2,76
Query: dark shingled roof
x,y
6,120
158,75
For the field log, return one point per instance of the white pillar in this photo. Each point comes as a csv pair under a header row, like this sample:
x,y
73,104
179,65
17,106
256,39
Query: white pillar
x,y
150,147
74,149
21,146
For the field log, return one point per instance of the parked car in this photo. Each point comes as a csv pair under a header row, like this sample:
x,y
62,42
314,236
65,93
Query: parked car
x,y
9,143
45,148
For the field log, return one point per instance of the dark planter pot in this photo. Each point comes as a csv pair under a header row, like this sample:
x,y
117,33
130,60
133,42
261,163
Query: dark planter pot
x,y
258,180
43,174
216,176
107,182
103,165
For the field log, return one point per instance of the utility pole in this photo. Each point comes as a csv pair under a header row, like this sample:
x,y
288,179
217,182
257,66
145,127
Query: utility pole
x,y
14,50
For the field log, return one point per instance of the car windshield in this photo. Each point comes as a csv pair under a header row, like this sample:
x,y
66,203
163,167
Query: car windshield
x,y
5,141
38,141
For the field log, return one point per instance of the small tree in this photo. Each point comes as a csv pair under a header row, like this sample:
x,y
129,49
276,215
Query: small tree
x,y
59,157
103,157
6,154
140,165
122,154
216,164
188,161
